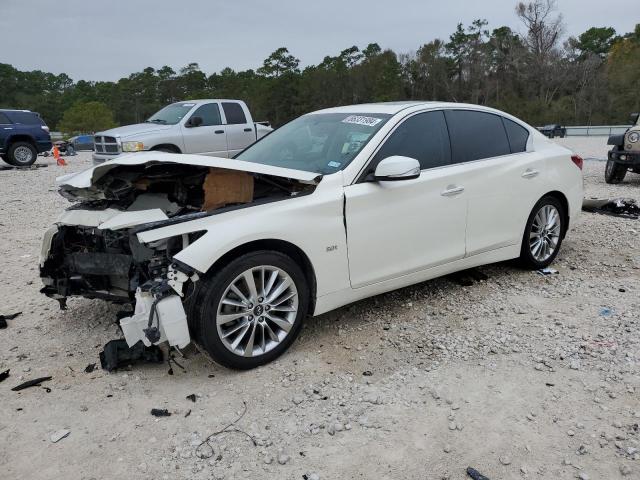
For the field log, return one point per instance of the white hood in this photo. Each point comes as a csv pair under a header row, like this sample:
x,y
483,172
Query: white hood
x,y
87,178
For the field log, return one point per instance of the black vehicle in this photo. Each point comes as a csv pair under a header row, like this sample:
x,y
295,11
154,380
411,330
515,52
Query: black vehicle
x,y
554,130
23,135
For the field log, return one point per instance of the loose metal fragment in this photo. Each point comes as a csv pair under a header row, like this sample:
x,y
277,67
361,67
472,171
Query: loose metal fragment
x,y
31,383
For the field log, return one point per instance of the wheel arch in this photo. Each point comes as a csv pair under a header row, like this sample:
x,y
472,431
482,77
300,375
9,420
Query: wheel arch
x,y
169,146
20,137
277,245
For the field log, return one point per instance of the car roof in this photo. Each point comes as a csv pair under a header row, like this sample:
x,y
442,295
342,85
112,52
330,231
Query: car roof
x,y
392,108
14,110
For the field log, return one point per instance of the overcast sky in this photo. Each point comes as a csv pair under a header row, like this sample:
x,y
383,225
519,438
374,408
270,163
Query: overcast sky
x,y
109,39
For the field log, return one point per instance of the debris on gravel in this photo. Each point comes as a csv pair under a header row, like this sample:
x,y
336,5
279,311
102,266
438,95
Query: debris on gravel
x,y
497,371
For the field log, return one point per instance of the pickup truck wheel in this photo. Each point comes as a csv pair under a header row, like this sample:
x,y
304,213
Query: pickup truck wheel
x,y
22,154
543,234
252,309
614,172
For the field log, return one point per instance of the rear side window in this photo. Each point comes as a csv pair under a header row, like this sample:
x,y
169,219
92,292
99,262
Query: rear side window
x,y
25,118
4,119
517,134
210,114
423,136
476,135
234,113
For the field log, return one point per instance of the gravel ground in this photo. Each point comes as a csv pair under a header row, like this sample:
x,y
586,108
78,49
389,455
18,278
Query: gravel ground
x,y
518,376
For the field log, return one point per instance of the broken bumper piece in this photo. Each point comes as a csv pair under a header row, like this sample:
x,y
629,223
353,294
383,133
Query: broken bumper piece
x,y
157,319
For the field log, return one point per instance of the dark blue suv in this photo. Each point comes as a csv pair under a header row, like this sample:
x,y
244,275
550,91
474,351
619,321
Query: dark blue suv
x,y
23,135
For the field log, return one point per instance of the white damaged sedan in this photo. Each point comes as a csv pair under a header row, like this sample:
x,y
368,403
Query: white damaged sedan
x,y
335,206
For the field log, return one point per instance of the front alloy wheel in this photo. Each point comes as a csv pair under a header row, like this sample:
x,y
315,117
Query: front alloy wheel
x,y
257,311
251,310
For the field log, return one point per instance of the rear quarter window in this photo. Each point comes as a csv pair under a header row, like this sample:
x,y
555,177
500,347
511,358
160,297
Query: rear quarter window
x,y
476,135
4,120
25,118
517,135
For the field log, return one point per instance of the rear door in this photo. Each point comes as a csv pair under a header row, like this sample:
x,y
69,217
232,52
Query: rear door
x,y
501,178
397,228
240,132
210,137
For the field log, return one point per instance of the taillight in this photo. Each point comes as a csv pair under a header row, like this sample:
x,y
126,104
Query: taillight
x,y
577,159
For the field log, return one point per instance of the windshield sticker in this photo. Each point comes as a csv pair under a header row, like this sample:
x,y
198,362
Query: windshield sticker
x,y
188,104
361,120
334,164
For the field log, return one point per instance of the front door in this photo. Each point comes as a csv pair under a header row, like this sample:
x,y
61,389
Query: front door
x,y
210,137
397,228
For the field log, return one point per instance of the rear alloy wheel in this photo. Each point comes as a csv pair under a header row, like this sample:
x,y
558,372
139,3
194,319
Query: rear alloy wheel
x,y
22,154
253,309
543,234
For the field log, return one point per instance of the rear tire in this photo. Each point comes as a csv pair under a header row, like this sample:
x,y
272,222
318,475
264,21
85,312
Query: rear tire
x,y
614,173
259,329
543,234
22,154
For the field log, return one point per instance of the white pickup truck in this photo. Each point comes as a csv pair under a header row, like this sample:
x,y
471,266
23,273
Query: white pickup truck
x,y
220,128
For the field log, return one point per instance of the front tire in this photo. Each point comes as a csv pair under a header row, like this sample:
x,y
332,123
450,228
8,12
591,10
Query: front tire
x,y
543,234
252,309
22,154
614,173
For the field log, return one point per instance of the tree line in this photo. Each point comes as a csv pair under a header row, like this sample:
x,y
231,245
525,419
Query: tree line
x,y
538,75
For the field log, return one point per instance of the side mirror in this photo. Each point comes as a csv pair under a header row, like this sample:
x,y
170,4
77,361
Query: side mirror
x,y
194,122
634,118
396,168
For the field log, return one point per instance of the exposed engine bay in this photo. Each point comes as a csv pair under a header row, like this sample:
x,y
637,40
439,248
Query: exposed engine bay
x,y
93,250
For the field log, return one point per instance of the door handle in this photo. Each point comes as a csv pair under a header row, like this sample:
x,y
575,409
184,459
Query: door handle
x,y
452,190
219,131
248,130
528,173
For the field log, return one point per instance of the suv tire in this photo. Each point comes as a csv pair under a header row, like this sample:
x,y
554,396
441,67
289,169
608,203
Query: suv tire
x,y
267,325
22,154
614,173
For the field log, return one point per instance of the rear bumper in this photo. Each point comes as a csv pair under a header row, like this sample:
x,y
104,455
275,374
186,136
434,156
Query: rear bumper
x,y
632,159
43,145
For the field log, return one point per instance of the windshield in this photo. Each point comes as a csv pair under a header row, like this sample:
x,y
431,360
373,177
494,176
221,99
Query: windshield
x,y
320,142
171,114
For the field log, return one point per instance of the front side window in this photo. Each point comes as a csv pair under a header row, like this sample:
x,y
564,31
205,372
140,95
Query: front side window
x,y
234,113
423,136
171,114
476,135
4,120
319,142
210,114
517,135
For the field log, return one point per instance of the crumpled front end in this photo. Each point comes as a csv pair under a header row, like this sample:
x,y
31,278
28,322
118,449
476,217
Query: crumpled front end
x,y
94,250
